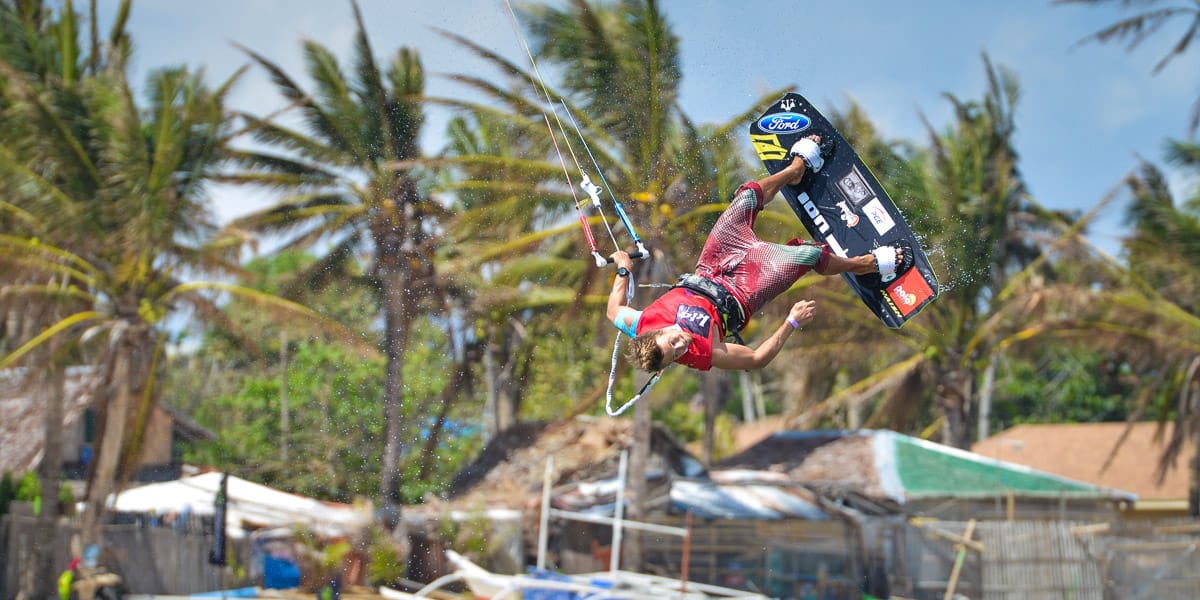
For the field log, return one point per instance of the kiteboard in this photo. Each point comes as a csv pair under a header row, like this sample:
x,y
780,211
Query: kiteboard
x,y
844,206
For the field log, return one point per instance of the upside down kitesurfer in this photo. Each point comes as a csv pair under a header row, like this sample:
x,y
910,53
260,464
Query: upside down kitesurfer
x,y
736,275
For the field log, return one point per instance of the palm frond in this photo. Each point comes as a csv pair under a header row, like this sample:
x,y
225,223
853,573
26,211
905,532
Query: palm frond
x,y
46,334
309,148
285,311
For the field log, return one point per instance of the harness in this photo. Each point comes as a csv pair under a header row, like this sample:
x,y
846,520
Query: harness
x,y
733,316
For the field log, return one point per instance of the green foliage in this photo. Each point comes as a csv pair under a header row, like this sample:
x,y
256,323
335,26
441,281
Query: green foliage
x,y
336,426
568,369
336,423
686,422
470,536
385,559
28,487
1062,388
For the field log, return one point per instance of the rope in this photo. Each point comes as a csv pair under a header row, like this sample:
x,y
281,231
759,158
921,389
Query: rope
x,y
542,92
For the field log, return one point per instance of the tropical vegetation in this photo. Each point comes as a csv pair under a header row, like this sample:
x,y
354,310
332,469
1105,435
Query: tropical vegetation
x,y
415,302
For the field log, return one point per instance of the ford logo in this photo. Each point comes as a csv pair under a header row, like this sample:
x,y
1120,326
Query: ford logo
x,y
785,122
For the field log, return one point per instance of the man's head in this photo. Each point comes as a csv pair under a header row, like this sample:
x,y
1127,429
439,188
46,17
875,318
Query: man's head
x,y
653,350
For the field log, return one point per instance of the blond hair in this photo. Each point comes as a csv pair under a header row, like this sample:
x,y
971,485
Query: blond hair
x,y
645,353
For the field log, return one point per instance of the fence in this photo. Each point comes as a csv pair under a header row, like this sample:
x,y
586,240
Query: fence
x,y
924,559
1049,560
151,559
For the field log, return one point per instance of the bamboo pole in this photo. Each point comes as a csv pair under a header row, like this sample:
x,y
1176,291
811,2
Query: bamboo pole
x,y
958,561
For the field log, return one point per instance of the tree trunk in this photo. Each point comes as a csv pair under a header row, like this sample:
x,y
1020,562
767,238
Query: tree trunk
x,y
398,318
405,273
713,386
746,383
119,393
985,401
50,391
954,393
639,460
1189,408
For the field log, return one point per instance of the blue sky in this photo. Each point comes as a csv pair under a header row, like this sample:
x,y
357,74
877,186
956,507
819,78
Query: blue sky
x,y
1085,115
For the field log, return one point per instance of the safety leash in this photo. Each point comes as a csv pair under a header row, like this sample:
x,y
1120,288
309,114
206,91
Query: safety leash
x,y
612,372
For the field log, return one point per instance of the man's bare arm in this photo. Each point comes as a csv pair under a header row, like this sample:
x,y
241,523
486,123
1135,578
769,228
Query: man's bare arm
x,y
616,298
739,357
792,174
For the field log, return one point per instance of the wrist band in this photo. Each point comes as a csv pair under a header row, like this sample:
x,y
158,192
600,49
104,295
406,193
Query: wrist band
x,y
793,323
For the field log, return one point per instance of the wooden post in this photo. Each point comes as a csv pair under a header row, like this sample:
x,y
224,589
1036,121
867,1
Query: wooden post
x,y
958,561
544,518
285,419
1012,505
687,554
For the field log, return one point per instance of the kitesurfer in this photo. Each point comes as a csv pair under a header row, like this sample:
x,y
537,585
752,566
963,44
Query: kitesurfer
x,y
736,275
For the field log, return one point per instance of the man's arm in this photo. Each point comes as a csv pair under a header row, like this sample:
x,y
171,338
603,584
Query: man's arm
x,y
616,298
739,357
789,175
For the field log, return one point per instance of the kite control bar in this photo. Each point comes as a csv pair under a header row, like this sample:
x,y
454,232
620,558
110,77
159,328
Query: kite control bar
x,y
593,192
633,255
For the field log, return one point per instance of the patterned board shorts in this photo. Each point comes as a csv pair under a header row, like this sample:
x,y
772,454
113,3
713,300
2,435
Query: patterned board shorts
x,y
755,271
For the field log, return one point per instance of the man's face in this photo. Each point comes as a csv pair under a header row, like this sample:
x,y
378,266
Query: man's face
x,y
673,341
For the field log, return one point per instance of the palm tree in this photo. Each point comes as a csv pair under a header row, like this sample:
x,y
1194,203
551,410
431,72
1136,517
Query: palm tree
x,y
350,185
1163,251
42,47
1135,30
117,192
968,198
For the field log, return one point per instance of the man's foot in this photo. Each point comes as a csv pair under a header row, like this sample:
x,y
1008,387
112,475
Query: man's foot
x,y
889,263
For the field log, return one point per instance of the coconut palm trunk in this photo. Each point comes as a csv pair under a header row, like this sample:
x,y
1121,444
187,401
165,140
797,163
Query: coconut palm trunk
x,y
399,271
954,398
50,392
118,398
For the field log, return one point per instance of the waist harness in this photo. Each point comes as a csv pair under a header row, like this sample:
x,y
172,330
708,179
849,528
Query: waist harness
x,y
733,317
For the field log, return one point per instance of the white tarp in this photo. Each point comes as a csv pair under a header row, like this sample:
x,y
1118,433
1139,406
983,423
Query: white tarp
x,y
251,506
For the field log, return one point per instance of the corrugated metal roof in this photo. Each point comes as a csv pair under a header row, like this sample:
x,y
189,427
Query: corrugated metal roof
x,y
735,495
712,500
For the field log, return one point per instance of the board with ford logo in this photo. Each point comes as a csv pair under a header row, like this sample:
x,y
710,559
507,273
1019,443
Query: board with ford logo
x,y
844,206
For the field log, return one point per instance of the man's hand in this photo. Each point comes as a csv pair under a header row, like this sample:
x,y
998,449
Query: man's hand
x,y
803,311
798,167
621,259
794,172
737,356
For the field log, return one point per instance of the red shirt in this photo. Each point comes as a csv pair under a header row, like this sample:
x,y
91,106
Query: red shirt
x,y
695,315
